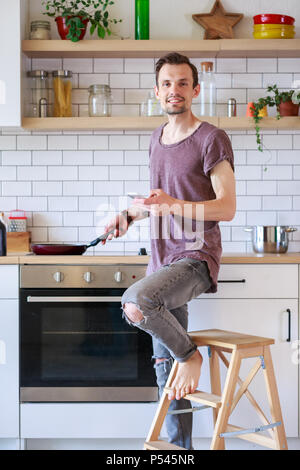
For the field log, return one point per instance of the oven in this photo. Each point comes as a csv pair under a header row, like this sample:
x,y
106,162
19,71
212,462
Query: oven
x,y
74,344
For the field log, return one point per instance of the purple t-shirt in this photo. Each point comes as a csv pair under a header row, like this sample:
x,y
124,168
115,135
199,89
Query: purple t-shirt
x,y
182,170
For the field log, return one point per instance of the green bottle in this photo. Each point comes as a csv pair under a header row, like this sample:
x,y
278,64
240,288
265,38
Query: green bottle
x,y
141,19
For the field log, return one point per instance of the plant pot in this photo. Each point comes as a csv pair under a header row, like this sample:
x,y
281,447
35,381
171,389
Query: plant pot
x,y
288,108
63,29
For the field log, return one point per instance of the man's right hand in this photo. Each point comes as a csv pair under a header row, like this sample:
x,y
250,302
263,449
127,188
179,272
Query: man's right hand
x,y
120,225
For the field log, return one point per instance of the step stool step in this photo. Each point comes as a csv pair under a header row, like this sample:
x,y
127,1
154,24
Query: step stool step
x,y
161,445
215,401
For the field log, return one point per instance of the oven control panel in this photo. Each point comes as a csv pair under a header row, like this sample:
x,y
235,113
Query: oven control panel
x,y
55,276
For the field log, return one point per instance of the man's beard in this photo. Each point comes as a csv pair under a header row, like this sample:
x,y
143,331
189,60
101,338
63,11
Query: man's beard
x,y
180,110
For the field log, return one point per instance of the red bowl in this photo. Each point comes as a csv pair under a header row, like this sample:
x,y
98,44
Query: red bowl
x,y
269,18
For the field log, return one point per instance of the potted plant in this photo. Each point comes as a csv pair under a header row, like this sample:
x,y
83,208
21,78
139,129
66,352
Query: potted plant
x,y
285,106
72,17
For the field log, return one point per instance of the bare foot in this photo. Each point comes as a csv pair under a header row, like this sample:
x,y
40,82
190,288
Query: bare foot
x,y
187,377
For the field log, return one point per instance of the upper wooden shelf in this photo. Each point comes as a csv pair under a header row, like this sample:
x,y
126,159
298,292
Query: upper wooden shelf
x,y
150,123
157,47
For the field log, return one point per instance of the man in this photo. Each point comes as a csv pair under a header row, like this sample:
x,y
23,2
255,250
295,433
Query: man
x,y
192,180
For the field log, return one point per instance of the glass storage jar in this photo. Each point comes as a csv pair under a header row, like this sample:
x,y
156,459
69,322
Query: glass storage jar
x,y
62,90
38,105
100,100
40,30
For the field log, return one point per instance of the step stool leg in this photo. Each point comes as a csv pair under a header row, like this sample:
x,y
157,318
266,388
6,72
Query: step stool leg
x,y
215,381
279,431
162,408
227,396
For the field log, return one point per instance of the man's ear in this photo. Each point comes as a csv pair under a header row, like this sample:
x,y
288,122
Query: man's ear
x,y
196,90
156,91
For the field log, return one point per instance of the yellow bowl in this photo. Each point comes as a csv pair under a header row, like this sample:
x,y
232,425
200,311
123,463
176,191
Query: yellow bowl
x,y
267,27
273,34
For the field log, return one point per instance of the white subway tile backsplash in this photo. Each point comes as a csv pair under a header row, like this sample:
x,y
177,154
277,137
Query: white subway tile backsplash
x,y
90,173
62,142
32,173
47,219
108,65
16,188
8,173
64,173
63,203
78,219
124,173
77,188
47,188
124,80
246,80
139,65
31,142
91,142
123,142
33,203
261,65
8,142
72,183
46,157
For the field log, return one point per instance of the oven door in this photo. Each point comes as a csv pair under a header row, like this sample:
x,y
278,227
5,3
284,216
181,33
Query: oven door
x,y
75,346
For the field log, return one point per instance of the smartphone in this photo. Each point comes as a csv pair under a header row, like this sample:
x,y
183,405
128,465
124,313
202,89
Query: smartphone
x,y
136,195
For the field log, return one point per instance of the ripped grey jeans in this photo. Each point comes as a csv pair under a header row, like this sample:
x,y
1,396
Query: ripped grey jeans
x,y
162,298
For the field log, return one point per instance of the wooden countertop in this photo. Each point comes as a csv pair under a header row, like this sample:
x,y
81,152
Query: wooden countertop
x,y
227,258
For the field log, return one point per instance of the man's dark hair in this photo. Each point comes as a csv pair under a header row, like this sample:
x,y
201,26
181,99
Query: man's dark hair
x,y
175,59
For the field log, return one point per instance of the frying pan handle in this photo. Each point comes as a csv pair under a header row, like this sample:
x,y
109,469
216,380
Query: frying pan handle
x,y
99,239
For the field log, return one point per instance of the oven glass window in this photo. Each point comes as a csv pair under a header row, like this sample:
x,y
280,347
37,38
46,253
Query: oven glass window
x,y
81,343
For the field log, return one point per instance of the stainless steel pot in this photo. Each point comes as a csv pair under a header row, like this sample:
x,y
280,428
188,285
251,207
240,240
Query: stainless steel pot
x,y
270,238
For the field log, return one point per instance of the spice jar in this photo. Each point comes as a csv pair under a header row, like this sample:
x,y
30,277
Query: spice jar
x,y
62,88
39,96
99,100
40,30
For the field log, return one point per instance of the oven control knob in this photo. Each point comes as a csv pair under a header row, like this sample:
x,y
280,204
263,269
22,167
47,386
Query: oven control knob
x,y
118,276
87,276
58,276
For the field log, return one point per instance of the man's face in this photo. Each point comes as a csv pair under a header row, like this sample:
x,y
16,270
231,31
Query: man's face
x,y
175,88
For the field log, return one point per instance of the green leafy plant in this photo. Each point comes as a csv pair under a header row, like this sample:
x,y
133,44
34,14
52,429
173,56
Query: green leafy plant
x,y
76,11
279,97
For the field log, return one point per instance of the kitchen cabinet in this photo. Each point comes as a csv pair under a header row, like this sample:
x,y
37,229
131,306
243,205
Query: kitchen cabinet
x,y
9,352
11,33
261,311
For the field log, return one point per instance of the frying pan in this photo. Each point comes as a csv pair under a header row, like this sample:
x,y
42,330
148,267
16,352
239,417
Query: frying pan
x,y
71,249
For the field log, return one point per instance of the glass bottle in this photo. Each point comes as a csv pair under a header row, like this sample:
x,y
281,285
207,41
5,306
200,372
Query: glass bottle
x,y
39,101
141,19
207,90
100,100
3,251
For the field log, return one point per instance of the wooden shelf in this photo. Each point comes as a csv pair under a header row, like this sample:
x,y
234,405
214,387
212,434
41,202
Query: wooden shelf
x,y
157,47
150,123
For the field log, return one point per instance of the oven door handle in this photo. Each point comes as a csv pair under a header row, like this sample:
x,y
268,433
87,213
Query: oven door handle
x,y
74,299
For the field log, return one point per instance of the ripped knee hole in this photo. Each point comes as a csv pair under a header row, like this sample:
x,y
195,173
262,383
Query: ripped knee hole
x,y
132,312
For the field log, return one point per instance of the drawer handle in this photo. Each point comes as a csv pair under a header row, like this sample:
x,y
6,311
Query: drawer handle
x,y
289,325
232,280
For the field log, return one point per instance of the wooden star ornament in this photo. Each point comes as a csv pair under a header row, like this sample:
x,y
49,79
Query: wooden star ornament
x,y
218,23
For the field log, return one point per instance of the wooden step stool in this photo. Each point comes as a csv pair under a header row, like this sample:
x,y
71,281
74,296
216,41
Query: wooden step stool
x,y
240,346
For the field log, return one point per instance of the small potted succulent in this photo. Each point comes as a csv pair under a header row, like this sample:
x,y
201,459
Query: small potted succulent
x,y
72,17
286,102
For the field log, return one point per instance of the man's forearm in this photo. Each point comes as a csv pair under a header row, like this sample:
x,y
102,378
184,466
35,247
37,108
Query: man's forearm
x,y
212,210
137,214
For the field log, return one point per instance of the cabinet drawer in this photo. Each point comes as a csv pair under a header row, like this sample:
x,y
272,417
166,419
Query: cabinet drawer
x,y
9,281
276,281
